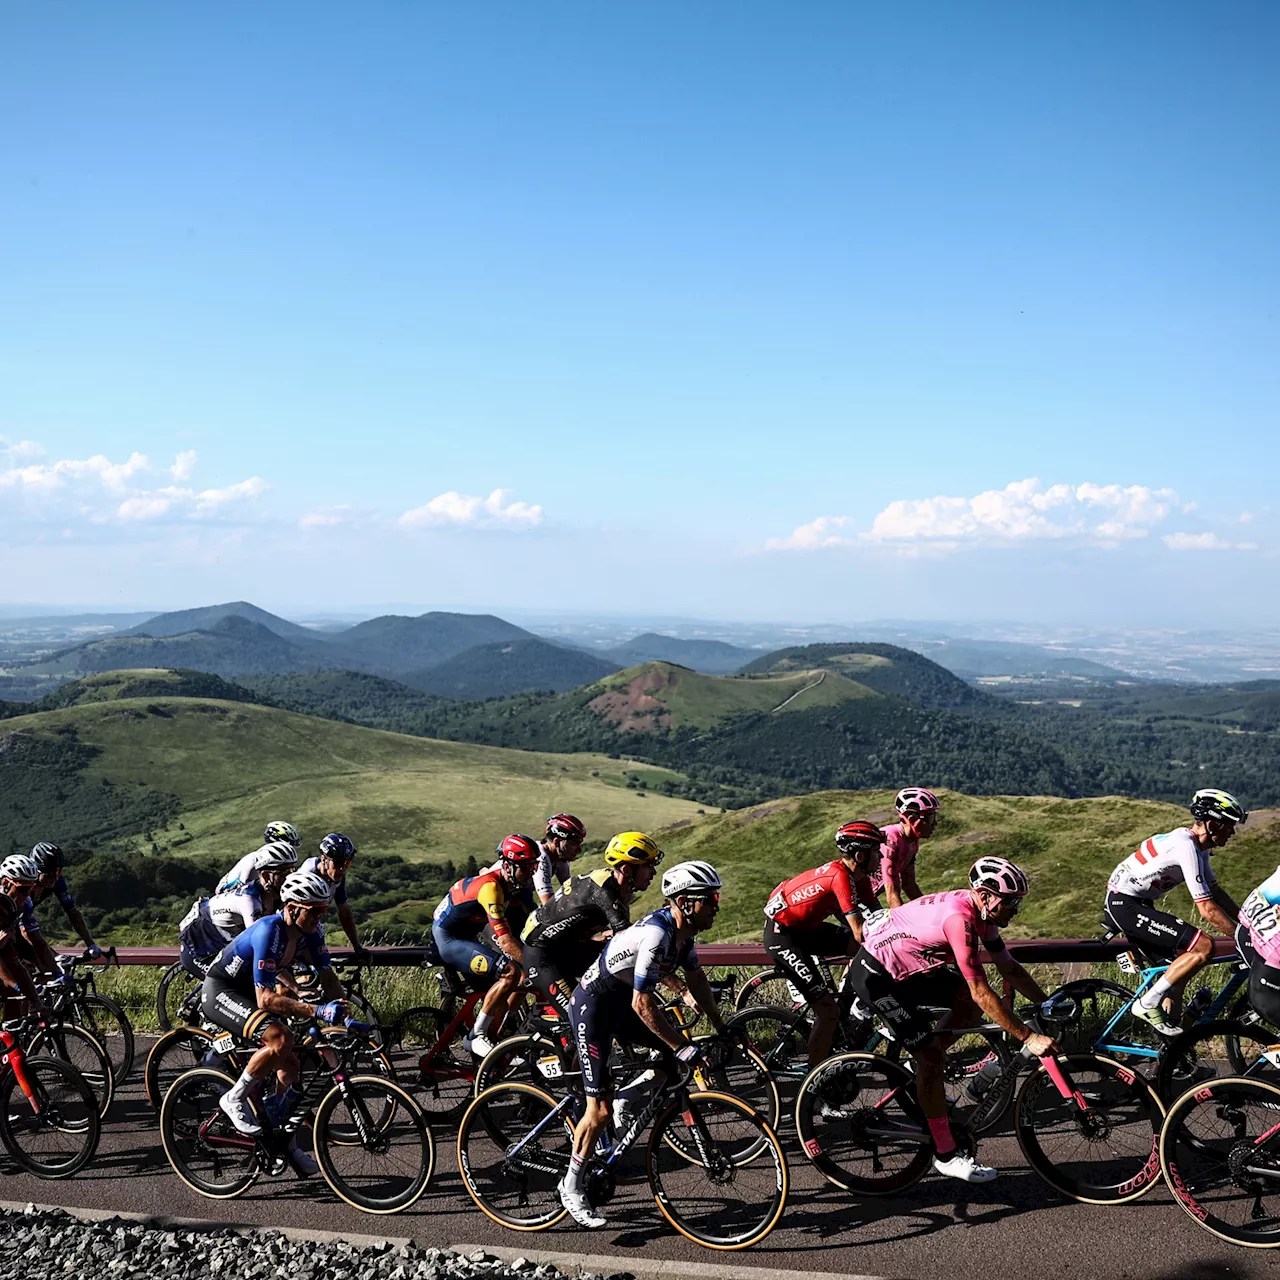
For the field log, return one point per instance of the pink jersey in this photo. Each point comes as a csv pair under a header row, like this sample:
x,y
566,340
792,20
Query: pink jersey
x,y
897,856
936,929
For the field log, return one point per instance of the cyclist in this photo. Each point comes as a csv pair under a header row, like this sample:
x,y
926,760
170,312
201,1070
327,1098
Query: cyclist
x,y
337,853
48,857
246,870
1258,941
471,904
213,922
617,999
241,995
21,873
561,844
17,875
797,930
896,875
925,954
1156,866
559,939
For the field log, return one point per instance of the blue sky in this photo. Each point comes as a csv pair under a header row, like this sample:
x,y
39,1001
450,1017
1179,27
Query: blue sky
x,y
734,310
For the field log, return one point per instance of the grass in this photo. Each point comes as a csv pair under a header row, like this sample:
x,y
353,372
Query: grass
x,y
233,766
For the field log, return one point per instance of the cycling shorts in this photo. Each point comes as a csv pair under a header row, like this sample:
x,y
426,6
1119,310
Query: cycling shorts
x,y
478,964
1264,979
547,972
597,1019
909,1006
795,952
1150,929
194,964
226,1006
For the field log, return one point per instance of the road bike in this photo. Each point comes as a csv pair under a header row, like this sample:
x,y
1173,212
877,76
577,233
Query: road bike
x,y
79,1002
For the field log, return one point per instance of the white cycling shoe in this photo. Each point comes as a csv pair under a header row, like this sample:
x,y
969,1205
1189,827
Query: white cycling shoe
x,y
240,1113
961,1165
480,1046
580,1209
1155,1019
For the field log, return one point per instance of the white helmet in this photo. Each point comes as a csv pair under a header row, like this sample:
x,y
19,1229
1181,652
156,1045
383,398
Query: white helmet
x,y
21,868
690,877
307,887
277,854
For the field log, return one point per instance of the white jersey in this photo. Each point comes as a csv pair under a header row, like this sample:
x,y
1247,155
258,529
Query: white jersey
x,y
213,922
641,956
548,871
1163,862
246,871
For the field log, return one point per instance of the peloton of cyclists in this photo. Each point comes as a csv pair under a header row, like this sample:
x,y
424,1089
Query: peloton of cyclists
x,y
918,811
1158,865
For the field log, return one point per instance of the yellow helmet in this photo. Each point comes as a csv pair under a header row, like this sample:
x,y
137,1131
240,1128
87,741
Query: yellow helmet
x,y
630,848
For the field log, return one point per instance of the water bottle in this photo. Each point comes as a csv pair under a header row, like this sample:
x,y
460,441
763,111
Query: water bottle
x,y
989,1071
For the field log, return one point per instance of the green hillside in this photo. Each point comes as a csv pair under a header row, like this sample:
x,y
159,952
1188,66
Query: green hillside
x,y
204,775
1067,847
713,657
144,682
509,666
183,621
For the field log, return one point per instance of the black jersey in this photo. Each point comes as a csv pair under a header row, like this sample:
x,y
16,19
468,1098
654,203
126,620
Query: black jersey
x,y
587,904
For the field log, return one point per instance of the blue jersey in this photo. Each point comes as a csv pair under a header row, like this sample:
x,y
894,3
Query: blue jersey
x,y
339,886
28,909
256,956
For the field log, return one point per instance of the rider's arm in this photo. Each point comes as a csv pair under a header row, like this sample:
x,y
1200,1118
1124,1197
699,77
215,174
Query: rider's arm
x,y
1017,977
963,938
652,1014
701,991
1220,911
78,924
843,885
346,917
891,871
492,897
13,973
265,978
46,960
909,882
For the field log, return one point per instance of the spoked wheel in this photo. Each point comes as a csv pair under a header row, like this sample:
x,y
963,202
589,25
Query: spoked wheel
x,y
860,1125
714,1196
107,1022
78,1048
53,1133
531,1058
1097,1145
177,988
1211,1050
202,1144
514,1145
175,1053
781,1038
373,1144
442,1078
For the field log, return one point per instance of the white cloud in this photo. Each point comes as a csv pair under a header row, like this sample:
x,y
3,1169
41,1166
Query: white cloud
x,y
210,500
184,464
825,531
325,519
143,508
1204,542
497,511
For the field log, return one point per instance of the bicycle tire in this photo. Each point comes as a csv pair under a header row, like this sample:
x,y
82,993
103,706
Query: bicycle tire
x,y
174,1054
515,1190
879,1124
1097,1001
108,1023
1243,1012
1107,1154
68,1117
193,1130
765,987
741,1075
781,1038
74,1045
444,1088
674,1178
530,1057
377,1110
1205,1133
176,984
370,1061
1192,1059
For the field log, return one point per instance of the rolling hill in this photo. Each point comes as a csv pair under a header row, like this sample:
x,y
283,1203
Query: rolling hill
x,y
509,666
143,683
712,657
183,621
393,644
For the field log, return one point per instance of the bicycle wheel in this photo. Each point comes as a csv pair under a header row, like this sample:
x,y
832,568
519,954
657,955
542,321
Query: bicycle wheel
x,y
365,1060
442,1075
1205,1052
714,1198
383,1155
202,1144
107,1022
1099,1145
741,1075
176,987
781,1038
75,1046
53,1132
175,1053
860,1125
514,1145
1219,1155
1097,1003
531,1058
1242,1054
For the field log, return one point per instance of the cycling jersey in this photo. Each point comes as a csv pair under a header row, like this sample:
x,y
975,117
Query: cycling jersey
x,y
930,931
213,922
256,956
339,886
549,870
246,871
587,904
59,891
471,904
897,856
806,900
642,955
27,916
1161,863
1259,916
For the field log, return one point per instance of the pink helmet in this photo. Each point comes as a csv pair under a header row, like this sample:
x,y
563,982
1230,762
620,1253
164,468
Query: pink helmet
x,y
916,800
999,875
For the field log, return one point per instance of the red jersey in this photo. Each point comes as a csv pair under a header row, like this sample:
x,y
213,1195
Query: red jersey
x,y
806,900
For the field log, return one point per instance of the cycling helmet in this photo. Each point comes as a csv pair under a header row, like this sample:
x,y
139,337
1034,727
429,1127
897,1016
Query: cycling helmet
x,y
281,831
277,854
916,800
999,875
859,837
690,877
20,868
47,856
631,847
1211,805
306,887
564,826
337,847
519,849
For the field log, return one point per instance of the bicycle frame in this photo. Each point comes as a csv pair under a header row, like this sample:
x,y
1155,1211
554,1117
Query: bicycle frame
x,y
14,1057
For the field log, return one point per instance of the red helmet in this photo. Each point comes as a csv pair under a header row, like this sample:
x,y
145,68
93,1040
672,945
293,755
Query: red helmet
x,y
564,826
519,849
859,837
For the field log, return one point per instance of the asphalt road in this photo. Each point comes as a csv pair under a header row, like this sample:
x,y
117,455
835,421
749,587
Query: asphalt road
x,y
1006,1230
